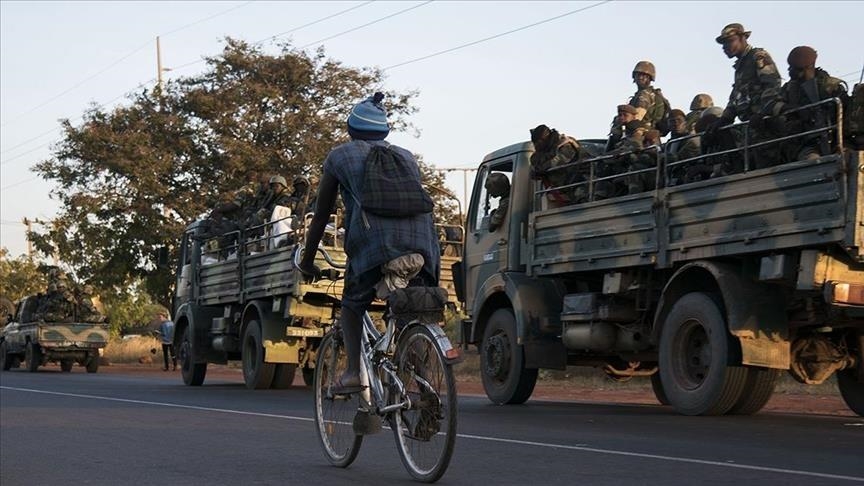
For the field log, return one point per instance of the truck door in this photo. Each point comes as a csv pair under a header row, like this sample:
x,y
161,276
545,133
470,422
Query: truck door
x,y
485,250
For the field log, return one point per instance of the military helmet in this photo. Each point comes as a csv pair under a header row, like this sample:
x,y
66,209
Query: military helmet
x,y
278,179
300,181
646,67
676,112
714,111
802,57
498,185
52,287
701,101
732,30
627,109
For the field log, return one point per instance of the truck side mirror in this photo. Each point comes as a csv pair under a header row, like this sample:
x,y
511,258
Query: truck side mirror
x,y
162,257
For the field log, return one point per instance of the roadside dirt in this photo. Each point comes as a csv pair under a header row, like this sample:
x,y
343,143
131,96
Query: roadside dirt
x,y
783,401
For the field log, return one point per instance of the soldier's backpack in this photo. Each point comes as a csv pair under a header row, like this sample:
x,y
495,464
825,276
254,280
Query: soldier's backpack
x,y
391,187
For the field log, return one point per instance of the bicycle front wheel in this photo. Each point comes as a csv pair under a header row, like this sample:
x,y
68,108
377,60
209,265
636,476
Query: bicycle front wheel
x,y
334,415
425,432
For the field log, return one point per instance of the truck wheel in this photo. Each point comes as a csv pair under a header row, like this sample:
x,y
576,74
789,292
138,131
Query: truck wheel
x,y
66,365
758,389
694,358
93,363
502,362
5,358
851,390
657,387
257,374
32,356
193,373
283,376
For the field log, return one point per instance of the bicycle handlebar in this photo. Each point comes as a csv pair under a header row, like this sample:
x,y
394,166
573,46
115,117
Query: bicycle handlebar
x,y
328,273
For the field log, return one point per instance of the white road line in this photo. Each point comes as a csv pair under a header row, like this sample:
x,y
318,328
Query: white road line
x,y
580,448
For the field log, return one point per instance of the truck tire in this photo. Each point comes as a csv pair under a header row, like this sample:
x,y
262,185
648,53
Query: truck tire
x,y
502,362
6,359
851,390
93,363
32,356
657,388
758,389
283,376
66,365
193,373
257,374
694,358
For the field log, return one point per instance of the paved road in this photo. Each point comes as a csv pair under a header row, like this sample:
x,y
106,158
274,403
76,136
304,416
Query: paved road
x,y
58,428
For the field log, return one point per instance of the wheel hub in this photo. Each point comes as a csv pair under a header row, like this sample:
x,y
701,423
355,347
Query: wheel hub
x,y
497,352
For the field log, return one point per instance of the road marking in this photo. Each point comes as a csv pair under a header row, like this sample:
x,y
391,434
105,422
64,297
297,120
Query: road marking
x,y
578,447
161,404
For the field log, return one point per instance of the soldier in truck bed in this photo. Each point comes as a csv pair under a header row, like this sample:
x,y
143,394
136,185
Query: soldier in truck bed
x,y
552,150
807,85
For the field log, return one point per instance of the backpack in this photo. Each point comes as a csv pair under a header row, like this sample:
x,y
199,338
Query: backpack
x,y
390,187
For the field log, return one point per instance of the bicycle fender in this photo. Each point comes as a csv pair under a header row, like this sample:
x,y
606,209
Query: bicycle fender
x,y
451,354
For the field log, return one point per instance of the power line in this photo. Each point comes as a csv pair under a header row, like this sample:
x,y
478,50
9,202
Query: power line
x,y
368,24
295,29
118,61
102,105
16,184
502,34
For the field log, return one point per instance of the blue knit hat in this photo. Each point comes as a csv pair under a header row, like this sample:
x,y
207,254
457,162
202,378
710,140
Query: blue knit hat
x,y
369,116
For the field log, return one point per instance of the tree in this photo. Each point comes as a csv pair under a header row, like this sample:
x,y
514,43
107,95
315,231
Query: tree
x,y
129,180
20,277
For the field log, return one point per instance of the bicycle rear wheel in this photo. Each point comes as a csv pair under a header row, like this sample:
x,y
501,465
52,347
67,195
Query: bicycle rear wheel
x,y
426,432
334,415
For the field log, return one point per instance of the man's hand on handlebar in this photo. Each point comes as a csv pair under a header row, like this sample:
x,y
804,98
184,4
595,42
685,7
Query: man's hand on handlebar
x,y
310,274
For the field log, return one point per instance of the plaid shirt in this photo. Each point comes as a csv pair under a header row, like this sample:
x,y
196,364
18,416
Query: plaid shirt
x,y
385,238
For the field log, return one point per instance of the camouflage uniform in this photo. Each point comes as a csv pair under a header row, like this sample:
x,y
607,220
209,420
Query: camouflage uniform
x,y
656,108
795,94
56,305
87,312
552,150
498,185
757,82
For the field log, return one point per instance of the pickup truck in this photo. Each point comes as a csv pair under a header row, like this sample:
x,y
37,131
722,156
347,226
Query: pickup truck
x,y
36,342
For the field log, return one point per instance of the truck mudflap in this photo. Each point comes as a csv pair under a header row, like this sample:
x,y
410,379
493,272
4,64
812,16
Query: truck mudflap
x,y
755,314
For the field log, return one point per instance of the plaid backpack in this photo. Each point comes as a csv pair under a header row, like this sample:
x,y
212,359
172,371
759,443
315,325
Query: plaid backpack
x,y
390,187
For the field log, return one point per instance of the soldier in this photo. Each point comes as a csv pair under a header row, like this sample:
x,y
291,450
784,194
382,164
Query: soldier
x,y
87,312
681,148
58,304
757,82
650,98
626,114
717,141
700,103
551,150
807,85
498,185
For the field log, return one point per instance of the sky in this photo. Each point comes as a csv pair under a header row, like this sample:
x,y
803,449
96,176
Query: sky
x,y
565,64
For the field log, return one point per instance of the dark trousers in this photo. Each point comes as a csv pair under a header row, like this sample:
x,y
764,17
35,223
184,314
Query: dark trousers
x,y
166,350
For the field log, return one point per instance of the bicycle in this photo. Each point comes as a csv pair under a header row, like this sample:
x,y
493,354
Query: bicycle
x,y
410,386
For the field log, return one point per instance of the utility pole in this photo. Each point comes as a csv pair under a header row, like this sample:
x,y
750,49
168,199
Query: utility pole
x,y
29,225
159,68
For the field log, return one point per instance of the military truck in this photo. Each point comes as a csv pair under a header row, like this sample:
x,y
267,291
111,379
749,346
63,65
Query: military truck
x,y
239,297
711,288
31,340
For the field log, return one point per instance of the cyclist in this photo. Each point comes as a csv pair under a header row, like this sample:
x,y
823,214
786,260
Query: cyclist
x,y
370,240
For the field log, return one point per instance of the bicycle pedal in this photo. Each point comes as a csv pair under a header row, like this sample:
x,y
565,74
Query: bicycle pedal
x,y
366,423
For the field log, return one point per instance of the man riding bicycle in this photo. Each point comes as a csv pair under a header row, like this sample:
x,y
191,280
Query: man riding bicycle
x,y
371,240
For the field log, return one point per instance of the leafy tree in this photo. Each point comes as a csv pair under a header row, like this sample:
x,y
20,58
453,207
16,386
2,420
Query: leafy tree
x,y
130,179
19,277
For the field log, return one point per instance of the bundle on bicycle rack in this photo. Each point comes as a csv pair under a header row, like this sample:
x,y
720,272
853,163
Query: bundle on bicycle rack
x,y
424,304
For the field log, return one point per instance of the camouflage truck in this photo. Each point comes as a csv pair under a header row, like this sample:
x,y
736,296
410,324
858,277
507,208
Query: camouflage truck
x,y
710,287
240,298
31,340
